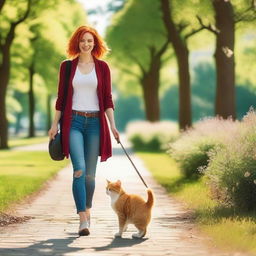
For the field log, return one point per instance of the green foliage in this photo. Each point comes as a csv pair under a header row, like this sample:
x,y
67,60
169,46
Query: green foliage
x,y
169,104
203,94
122,115
228,229
130,36
191,149
194,157
232,169
41,40
131,39
152,144
245,54
151,137
203,90
184,13
245,99
191,162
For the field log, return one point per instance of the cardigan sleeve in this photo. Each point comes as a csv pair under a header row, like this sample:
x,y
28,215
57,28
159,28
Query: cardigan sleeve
x,y
59,101
108,102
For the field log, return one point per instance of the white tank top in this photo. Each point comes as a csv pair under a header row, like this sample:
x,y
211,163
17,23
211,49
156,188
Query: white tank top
x,y
85,96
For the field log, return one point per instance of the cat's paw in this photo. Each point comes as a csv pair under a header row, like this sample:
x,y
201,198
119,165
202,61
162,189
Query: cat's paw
x,y
137,235
118,234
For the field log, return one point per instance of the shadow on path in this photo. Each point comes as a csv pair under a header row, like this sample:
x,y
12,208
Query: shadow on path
x,y
120,242
62,246
44,248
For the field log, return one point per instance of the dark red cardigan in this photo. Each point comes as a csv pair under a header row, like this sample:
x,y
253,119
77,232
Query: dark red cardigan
x,y
105,101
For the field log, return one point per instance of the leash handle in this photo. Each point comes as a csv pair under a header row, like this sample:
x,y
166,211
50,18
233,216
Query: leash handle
x,y
118,141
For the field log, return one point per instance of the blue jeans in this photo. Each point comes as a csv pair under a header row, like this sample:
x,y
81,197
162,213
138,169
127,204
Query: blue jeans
x,y
84,143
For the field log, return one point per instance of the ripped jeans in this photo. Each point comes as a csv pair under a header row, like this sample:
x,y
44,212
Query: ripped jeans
x,y
84,143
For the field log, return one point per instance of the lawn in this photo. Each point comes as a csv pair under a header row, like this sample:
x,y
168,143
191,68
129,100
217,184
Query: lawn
x,y
231,231
22,173
14,142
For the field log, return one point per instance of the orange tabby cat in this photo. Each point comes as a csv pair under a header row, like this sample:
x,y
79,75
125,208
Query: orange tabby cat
x,y
130,209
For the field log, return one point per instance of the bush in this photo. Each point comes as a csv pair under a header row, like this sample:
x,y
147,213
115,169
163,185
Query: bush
x,y
232,169
193,146
148,136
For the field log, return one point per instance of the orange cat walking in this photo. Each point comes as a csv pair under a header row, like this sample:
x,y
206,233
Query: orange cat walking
x,y
130,209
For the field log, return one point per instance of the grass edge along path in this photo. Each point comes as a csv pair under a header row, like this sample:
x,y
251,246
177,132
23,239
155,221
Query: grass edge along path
x,y
23,141
232,232
24,173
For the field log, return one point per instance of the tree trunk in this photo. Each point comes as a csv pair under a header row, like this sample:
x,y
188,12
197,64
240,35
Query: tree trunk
x,y
184,87
3,119
150,86
31,132
5,75
182,54
2,2
224,58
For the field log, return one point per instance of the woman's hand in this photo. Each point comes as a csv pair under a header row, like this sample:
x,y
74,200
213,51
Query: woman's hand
x,y
115,133
53,131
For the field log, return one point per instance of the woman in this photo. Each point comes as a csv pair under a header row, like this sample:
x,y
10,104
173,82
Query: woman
x,y
85,132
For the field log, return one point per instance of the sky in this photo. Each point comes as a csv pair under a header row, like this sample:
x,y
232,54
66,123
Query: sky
x,y
99,21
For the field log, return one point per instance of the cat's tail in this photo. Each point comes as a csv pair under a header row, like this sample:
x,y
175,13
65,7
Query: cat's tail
x,y
150,201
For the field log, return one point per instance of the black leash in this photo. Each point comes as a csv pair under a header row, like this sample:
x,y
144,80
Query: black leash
x,y
132,163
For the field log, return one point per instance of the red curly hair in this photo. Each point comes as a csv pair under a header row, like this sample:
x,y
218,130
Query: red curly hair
x,y
100,47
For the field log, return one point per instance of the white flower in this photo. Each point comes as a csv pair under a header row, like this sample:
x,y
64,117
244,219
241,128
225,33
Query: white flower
x,y
254,181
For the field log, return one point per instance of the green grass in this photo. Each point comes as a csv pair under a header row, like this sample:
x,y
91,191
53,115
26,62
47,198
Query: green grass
x,y
231,231
14,142
22,173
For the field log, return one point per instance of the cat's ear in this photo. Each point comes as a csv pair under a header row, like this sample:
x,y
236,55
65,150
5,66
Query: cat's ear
x,y
118,182
108,181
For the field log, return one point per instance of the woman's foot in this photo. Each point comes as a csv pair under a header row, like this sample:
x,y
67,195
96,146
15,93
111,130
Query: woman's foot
x,y
84,229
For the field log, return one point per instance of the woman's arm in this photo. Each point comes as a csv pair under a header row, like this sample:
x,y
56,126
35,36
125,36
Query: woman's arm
x,y
58,105
54,129
110,114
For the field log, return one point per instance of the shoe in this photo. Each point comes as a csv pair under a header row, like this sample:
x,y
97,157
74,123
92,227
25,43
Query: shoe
x,y
84,229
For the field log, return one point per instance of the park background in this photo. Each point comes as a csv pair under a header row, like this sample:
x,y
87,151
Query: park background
x,y
184,87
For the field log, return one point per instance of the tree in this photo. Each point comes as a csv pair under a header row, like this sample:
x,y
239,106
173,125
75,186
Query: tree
x,y
138,48
226,16
51,47
178,38
46,49
5,46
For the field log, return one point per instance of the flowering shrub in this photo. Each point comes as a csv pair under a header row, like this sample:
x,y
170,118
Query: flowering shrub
x,y
232,169
193,146
151,136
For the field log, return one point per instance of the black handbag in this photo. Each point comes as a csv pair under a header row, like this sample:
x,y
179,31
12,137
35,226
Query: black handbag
x,y
55,145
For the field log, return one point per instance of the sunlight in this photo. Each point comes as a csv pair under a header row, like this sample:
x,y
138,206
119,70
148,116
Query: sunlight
x,y
101,19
